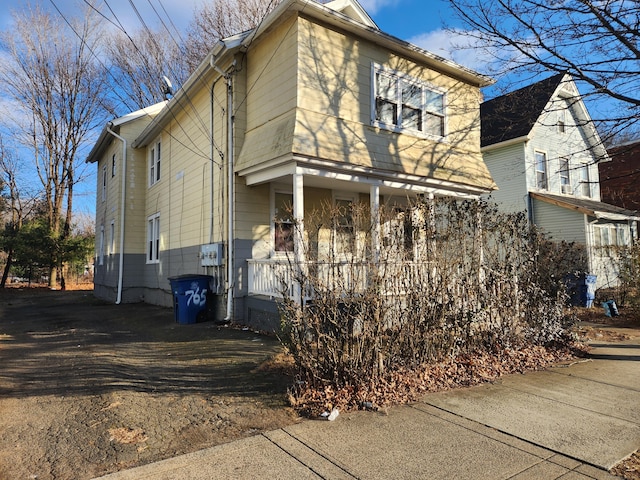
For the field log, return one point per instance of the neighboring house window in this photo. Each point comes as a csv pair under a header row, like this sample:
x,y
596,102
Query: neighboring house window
x,y
404,103
101,246
541,170
112,237
565,178
104,183
561,122
610,235
153,238
283,222
155,156
585,183
113,165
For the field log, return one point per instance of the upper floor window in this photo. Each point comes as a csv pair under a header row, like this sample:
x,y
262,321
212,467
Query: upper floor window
x,y
585,182
104,183
155,156
565,179
562,127
113,165
541,170
404,103
153,238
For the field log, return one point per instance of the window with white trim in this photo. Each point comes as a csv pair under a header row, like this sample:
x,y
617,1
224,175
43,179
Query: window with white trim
x,y
565,178
283,225
403,103
541,170
101,246
153,238
104,183
155,156
344,227
585,183
112,237
562,127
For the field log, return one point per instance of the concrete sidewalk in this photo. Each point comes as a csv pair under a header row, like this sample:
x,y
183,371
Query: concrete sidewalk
x,y
567,422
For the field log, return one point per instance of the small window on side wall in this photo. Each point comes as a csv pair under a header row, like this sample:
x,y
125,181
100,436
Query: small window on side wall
x,y
283,223
155,156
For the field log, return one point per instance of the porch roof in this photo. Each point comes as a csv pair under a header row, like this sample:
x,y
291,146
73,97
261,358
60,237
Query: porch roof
x,y
593,208
336,175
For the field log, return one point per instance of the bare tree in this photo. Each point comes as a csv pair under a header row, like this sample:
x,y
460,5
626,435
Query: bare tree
x,y
140,61
51,74
595,42
220,19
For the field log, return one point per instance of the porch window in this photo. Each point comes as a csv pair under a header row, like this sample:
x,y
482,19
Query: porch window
x,y
541,170
565,179
344,228
398,232
153,239
155,156
283,223
402,103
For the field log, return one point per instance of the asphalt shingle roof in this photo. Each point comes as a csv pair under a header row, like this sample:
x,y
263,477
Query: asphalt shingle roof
x,y
514,114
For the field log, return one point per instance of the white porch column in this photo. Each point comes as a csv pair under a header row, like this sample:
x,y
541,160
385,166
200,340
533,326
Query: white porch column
x,y
374,202
298,235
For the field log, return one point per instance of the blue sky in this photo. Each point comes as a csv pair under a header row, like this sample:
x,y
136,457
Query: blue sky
x,y
418,21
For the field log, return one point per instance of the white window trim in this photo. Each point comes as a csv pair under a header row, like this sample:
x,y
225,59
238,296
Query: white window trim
x,y
375,67
152,250
101,246
104,183
354,198
546,169
155,162
272,223
112,237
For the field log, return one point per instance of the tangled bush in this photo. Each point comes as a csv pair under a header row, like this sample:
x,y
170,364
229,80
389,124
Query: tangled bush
x,y
450,278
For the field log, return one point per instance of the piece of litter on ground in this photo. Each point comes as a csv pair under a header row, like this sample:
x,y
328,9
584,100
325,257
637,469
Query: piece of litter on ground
x,y
333,415
245,329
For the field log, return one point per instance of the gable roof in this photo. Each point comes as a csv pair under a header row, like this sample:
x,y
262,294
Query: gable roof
x,y
105,137
347,15
590,207
512,116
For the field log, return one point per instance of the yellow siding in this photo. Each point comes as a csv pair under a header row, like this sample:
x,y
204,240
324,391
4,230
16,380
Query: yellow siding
x,y
271,95
334,115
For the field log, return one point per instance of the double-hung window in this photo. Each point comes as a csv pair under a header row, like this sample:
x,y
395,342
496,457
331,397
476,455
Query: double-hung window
x,y
155,155
403,103
565,179
104,183
585,183
541,170
153,238
101,246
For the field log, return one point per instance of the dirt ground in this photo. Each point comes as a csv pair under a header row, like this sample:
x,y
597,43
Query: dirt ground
x,y
88,388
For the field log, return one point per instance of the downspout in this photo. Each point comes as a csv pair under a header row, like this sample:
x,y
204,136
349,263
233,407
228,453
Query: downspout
x,y
122,210
212,151
230,273
230,189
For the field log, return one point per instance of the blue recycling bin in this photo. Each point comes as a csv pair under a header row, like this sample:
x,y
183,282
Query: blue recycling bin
x,y
189,297
581,289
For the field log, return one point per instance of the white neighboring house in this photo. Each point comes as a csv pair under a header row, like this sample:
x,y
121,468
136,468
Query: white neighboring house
x,y
543,150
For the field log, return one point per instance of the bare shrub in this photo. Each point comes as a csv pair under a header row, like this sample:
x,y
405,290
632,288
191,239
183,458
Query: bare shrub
x,y
450,278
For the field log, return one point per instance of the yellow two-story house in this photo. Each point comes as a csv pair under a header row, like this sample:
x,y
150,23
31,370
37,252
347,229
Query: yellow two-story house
x,y
316,105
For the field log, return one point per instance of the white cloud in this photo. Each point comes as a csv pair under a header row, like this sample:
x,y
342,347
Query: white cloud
x,y
456,46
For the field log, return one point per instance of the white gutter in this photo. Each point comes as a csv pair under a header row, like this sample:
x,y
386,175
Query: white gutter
x,y
122,211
